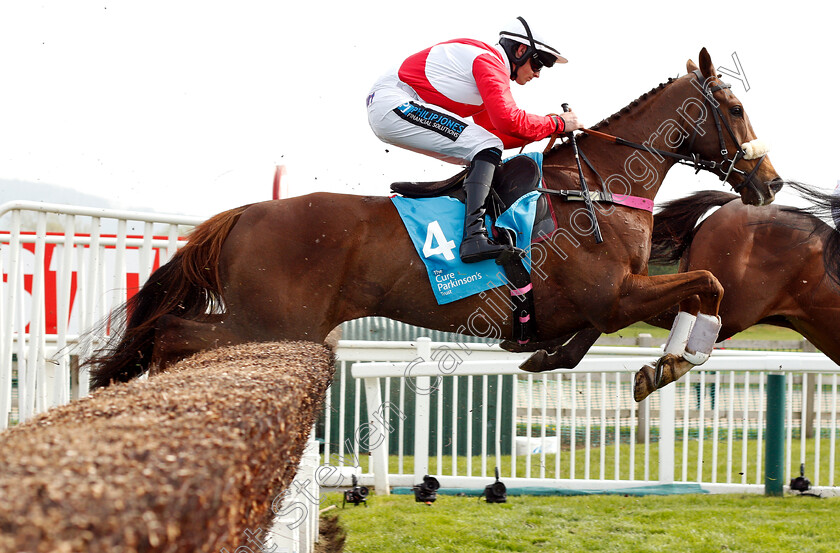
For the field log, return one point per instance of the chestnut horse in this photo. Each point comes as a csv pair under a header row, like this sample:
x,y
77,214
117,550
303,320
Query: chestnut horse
x,y
778,265
295,269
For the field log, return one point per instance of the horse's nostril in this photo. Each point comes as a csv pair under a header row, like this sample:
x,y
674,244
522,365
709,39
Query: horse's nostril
x,y
776,185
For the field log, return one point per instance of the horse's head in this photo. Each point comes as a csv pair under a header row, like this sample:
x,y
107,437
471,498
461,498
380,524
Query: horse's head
x,y
727,135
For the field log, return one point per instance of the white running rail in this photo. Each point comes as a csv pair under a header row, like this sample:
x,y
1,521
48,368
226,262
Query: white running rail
x,y
57,284
591,404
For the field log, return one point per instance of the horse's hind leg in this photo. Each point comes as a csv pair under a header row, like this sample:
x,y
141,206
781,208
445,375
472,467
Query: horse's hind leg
x,y
177,338
564,355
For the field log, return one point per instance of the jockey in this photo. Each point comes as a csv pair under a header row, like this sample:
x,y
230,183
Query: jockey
x,y
424,105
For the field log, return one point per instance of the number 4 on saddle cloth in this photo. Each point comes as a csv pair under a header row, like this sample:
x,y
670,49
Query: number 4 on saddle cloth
x,y
433,215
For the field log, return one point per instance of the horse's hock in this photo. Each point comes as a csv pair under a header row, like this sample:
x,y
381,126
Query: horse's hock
x,y
189,460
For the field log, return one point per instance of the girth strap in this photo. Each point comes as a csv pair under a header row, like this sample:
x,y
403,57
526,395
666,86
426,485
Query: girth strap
x,y
522,298
604,197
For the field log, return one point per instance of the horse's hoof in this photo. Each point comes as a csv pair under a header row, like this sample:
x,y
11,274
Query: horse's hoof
x,y
643,384
515,347
535,363
657,374
665,370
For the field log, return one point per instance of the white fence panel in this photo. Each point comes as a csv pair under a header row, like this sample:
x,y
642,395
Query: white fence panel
x,y
61,283
712,417
295,525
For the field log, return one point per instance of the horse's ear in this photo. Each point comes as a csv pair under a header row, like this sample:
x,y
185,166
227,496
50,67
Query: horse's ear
x,y
706,66
690,67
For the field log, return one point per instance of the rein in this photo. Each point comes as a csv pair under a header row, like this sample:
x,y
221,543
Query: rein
x,y
693,160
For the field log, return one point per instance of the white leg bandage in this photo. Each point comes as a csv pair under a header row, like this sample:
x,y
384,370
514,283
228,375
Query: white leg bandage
x,y
702,339
680,331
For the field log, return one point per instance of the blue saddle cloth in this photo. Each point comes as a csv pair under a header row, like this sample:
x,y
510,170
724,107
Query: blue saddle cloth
x,y
436,227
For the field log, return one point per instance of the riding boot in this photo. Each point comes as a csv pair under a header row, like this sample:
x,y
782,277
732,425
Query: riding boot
x,y
476,244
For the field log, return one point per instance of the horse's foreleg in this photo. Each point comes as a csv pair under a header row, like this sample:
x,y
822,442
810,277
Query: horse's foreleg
x,y
565,356
665,319
698,293
642,297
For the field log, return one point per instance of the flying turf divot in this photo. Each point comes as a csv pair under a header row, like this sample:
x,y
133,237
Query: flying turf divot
x,y
186,461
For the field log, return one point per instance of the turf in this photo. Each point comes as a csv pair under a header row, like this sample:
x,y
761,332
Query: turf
x,y
704,470
755,332
689,523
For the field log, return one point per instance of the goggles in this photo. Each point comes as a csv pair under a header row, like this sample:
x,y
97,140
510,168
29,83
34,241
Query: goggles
x,y
541,59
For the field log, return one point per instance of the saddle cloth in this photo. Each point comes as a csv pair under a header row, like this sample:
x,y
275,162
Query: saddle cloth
x,y
436,227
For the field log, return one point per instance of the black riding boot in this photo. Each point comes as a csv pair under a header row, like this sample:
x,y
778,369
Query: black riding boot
x,y
476,245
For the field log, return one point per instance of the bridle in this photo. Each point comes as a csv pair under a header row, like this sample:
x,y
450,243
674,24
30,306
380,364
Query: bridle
x,y
725,167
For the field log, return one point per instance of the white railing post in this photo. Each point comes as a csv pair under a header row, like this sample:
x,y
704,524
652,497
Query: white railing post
x,y
422,404
295,524
10,290
309,464
62,376
146,252
5,402
667,433
377,438
45,382
27,400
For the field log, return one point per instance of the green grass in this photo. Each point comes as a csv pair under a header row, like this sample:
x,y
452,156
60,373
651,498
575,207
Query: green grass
x,y
756,332
706,467
587,524
767,332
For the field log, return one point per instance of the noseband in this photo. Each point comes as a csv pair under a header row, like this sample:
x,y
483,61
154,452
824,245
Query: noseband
x,y
725,167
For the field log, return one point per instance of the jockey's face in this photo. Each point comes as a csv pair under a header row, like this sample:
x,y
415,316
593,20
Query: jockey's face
x,y
525,72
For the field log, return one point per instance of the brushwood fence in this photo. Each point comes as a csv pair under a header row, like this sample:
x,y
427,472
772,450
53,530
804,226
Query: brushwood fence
x,y
194,459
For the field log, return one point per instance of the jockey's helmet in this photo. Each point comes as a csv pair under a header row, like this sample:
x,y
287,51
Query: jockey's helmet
x,y
519,32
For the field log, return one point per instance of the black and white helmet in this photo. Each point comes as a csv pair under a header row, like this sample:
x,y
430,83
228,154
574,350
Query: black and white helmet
x,y
518,32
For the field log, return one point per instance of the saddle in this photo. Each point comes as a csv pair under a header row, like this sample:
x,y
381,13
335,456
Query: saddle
x,y
515,178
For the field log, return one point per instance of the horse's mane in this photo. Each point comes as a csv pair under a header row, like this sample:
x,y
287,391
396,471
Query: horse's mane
x,y
623,111
626,109
675,224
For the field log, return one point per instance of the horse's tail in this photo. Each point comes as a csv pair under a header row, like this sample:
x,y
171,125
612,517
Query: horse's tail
x,y
675,224
187,286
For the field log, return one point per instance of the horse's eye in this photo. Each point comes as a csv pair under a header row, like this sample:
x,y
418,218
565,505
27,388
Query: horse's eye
x,y
737,111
